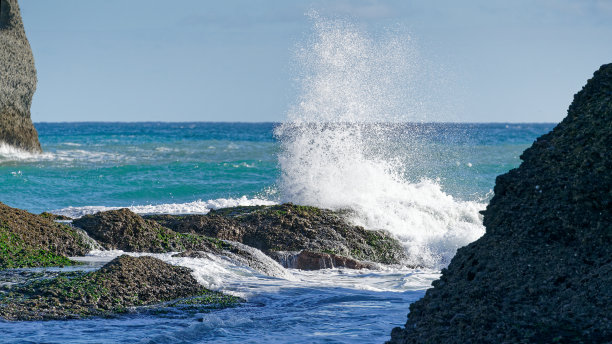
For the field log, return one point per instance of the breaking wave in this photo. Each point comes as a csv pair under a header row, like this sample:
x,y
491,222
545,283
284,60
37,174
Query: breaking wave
x,y
337,144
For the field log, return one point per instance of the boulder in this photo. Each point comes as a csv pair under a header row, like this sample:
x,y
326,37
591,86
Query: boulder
x,y
17,81
120,285
542,273
29,240
124,230
289,227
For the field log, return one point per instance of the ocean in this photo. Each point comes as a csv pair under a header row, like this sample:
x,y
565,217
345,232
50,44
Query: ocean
x,y
424,182
358,138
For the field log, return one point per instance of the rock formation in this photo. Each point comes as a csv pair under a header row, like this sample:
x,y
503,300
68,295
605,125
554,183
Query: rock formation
x,y
29,240
124,230
17,81
123,283
293,228
542,273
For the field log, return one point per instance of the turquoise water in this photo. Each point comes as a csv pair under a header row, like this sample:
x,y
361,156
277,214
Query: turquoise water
x,y
126,164
447,173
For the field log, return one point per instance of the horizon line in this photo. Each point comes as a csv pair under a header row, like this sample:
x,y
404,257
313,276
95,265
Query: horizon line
x,y
280,122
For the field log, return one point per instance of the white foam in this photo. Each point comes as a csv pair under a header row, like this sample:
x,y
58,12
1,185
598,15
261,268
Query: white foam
x,y
11,153
227,275
196,207
335,146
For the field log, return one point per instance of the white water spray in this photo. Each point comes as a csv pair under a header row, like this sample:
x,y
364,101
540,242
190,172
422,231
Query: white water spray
x,y
336,145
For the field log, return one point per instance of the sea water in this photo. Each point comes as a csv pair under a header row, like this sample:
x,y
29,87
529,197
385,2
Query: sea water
x,y
194,167
346,144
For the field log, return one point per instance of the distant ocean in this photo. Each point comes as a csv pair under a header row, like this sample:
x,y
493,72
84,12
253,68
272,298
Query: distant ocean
x,y
192,167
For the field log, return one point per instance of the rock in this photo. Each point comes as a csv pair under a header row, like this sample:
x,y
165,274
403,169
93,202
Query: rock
x,y
543,270
308,260
55,217
124,230
17,81
123,283
29,240
290,227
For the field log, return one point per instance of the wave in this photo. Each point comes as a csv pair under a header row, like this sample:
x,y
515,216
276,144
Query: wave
x,y
196,207
338,149
11,153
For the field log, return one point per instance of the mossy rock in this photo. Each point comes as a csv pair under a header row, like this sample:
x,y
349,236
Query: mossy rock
x,y
124,230
29,240
290,227
118,287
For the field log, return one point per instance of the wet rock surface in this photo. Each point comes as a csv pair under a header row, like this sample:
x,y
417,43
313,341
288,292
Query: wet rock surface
x,y
17,81
124,230
308,260
117,287
289,227
29,240
241,255
542,273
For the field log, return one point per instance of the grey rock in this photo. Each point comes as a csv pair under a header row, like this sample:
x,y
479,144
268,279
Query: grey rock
x,y
17,81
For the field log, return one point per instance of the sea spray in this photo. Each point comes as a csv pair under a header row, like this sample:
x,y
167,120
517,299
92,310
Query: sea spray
x,y
337,144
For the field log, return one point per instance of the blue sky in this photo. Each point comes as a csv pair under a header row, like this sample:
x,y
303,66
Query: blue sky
x,y
194,60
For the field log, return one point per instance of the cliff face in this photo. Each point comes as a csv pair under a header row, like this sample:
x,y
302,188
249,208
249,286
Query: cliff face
x,y
543,270
17,80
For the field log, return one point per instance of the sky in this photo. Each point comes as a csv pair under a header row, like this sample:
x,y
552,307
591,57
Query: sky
x,y
195,60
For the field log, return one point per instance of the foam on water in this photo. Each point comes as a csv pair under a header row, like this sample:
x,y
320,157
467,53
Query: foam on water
x,y
336,149
196,207
228,275
11,153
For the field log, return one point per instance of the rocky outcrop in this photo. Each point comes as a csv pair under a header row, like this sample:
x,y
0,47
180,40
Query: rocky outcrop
x,y
542,273
124,230
123,283
291,228
29,240
17,81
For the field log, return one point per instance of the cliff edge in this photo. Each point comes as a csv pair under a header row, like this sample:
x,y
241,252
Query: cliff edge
x,y
542,273
17,81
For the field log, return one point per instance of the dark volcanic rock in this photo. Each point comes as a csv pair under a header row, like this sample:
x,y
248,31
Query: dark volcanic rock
x,y
543,270
123,283
17,80
124,230
29,240
289,227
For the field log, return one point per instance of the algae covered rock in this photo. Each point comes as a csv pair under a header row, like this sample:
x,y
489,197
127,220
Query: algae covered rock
x,y
124,230
289,227
123,283
29,240
543,270
17,81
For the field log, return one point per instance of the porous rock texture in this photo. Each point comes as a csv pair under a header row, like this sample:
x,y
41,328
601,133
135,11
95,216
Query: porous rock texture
x,y
542,273
29,240
293,228
17,81
122,283
122,229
